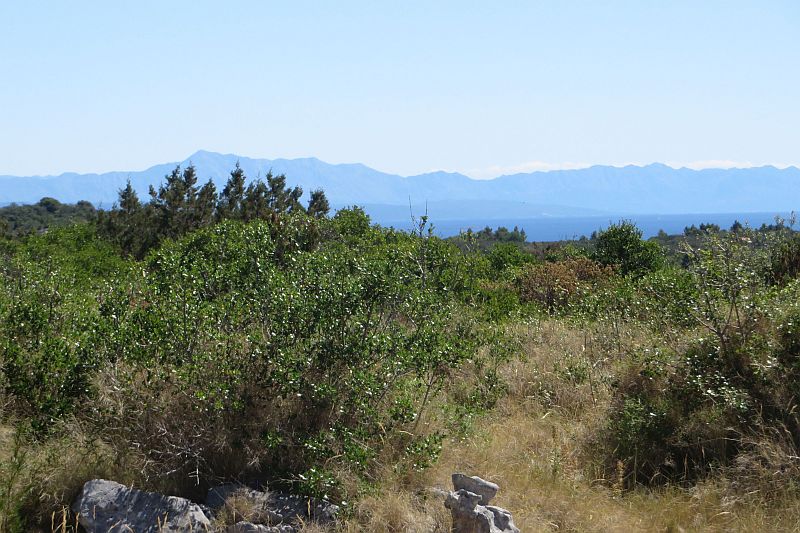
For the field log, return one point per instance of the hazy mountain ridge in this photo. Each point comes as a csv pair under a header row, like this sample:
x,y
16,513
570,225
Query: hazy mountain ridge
x,y
654,188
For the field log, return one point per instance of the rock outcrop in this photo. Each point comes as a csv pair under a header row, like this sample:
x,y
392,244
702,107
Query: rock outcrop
x,y
271,508
470,509
109,507
249,527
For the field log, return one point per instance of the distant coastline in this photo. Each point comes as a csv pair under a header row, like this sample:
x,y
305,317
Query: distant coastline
x,y
567,227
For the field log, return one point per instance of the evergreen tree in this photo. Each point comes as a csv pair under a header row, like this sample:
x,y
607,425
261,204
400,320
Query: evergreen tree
x,y
281,198
128,200
203,213
232,197
256,202
318,204
126,223
175,202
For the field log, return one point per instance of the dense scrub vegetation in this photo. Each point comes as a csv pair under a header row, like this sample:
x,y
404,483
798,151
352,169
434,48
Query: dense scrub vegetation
x,y
18,220
203,337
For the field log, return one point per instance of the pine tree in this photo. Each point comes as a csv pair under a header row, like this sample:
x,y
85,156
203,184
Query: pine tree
x,y
318,205
204,208
232,197
256,202
125,223
128,200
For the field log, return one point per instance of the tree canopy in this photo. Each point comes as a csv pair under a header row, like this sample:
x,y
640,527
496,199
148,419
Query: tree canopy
x,y
179,206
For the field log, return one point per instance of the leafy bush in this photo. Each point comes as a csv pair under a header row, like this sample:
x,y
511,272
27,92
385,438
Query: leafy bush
x,y
680,414
331,355
622,245
666,299
503,256
784,257
48,323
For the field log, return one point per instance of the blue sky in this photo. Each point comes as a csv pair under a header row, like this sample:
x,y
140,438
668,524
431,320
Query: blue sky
x,y
407,87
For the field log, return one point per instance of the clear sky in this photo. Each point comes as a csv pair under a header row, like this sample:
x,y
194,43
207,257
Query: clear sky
x,y
406,87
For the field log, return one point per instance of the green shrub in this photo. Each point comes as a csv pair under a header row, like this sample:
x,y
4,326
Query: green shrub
x,y
622,245
333,353
682,414
784,257
504,256
667,299
49,327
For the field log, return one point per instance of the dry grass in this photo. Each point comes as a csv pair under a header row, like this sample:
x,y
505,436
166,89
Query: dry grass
x,y
395,512
238,507
534,445
39,480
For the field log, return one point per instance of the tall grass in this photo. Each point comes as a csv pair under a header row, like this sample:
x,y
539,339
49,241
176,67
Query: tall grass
x,y
541,444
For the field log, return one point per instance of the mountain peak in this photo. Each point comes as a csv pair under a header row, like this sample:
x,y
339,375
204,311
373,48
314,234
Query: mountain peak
x,y
202,154
206,155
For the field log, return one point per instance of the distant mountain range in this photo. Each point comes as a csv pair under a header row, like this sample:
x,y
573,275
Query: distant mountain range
x,y
598,190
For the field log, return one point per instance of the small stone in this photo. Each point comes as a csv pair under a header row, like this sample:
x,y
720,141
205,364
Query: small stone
x,y
486,489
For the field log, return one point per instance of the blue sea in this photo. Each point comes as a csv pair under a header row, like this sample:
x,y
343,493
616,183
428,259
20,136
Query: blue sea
x,y
562,228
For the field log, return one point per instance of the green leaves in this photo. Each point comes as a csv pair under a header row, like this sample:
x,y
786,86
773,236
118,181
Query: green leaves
x,y
49,323
306,345
622,245
344,343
